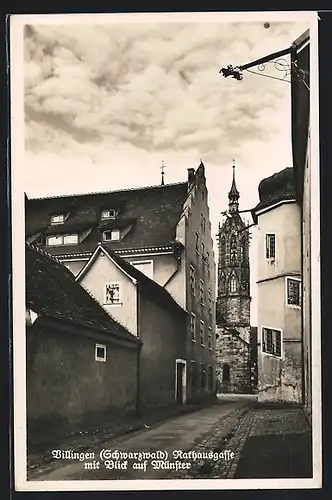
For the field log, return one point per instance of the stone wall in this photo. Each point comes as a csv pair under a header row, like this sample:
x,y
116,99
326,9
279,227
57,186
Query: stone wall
x,y
233,362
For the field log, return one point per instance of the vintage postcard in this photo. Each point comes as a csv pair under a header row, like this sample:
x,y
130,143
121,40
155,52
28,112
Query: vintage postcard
x,y
165,245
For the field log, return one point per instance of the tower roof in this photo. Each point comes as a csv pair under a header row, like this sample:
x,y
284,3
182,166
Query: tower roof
x,y
233,194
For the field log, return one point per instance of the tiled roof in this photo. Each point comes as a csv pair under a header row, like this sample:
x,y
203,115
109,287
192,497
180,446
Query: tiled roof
x,y
51,291
153,213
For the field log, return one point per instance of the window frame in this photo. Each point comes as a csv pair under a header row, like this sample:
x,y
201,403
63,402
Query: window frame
x,y
62,237
119,303
210,338
299,280
201,291
192,280
193,326
202,331
197,242
54,223
108,210
233,279
274,329
99,358
111,231
136,262
269,258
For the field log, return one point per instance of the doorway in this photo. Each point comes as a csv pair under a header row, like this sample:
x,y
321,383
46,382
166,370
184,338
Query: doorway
x,y
180,381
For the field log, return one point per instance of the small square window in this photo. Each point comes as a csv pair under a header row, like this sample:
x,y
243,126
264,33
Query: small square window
x,y
112,293
112,235
109,214
57,219
100,352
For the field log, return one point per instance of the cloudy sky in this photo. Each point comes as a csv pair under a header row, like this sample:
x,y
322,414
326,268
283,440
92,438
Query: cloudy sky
x,y
106,103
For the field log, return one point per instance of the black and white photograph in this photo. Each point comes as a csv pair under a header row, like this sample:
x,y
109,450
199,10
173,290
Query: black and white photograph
x,y
166,251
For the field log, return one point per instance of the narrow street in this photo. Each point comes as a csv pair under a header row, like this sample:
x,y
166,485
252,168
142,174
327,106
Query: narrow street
x,y
185,433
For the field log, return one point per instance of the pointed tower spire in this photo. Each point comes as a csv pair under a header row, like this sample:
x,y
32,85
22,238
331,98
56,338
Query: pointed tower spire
x,y
233,194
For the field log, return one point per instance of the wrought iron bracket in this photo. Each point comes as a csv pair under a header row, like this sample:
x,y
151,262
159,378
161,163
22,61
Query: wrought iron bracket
x,y
289,69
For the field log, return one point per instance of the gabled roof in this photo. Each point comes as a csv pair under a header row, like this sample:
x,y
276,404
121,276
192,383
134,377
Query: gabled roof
x,y
151,213
51,291
148,286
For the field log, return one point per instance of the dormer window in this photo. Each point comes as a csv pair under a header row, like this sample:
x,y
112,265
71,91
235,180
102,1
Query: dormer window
x,y
57,219
111,235
62,239
109,214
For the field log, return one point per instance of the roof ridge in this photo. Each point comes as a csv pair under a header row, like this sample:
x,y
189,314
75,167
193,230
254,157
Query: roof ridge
x,y
144,276
42,251
109,192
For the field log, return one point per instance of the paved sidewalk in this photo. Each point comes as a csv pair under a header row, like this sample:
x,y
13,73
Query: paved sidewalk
x,y
184,432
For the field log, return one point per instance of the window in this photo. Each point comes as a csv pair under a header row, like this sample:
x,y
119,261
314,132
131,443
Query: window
x,y
271,341
193,327
233,248
112,235
210,338
112,293
233,284
243,248
57,240
108,214
192,280
270,246
201,291
57,219
70,239
293,292
222,282
203,249
145,266
202,222
100,352
197,242
202,332
210,301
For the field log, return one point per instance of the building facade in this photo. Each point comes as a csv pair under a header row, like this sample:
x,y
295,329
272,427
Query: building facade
x,y
75,354
300,96
164,231
279,289
150,313
233,300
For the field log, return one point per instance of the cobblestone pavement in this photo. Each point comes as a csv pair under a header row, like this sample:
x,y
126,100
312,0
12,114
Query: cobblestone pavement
x,y
194,431
256,421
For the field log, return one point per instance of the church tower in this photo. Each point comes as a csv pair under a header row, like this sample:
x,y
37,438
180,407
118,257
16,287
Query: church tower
x,y
233,296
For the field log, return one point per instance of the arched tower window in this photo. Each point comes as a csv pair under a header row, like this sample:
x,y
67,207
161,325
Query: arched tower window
x,y
233,248
226,372
233,284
